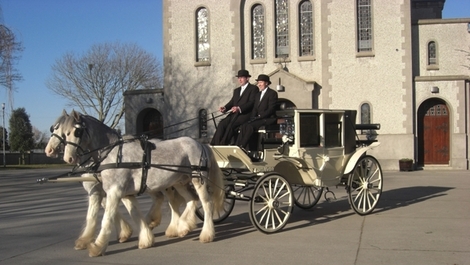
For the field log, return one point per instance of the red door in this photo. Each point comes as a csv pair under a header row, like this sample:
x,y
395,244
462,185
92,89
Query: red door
x,y
436,135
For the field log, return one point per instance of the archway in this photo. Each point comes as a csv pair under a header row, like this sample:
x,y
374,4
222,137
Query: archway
x,y
433,133
283,103
150,122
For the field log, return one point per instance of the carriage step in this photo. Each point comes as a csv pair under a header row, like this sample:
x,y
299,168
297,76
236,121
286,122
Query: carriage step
x,y
329,195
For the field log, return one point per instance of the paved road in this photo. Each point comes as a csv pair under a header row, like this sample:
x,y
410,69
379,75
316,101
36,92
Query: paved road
x,y
422,218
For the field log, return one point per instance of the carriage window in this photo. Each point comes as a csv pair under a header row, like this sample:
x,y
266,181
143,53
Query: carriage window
x,y
309,130
333,130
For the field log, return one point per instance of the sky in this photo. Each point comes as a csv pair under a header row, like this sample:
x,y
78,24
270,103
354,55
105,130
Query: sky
x,y
50,28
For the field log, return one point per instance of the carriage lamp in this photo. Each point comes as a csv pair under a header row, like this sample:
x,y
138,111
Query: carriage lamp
x,y
279,87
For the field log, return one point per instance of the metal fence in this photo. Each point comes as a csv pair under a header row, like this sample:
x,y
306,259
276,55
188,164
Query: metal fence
x,y
29,158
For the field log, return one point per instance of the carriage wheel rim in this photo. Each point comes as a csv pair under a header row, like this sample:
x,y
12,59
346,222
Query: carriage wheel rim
x,y
365,185
270,213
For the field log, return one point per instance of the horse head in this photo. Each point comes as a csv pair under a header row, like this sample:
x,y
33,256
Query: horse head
x,y
76,138
80,146
57,140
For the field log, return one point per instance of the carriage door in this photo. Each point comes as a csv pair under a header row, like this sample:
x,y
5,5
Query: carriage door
x,y
435,133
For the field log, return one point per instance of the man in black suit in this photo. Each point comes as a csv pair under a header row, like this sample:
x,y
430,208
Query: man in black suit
x,y
240,107
263,113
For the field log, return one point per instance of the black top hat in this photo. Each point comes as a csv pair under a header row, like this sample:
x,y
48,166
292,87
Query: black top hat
x,y
244,73
264,78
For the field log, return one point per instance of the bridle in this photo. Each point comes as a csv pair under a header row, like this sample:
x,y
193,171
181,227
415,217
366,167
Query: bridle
x,y
60,137
78,133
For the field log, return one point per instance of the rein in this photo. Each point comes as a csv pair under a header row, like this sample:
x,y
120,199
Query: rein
x,y
96,167
145,164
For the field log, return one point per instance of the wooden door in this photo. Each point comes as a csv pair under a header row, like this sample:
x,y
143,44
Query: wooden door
x,y
436,134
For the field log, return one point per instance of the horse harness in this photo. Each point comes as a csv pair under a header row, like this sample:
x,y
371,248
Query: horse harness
x,y
145,164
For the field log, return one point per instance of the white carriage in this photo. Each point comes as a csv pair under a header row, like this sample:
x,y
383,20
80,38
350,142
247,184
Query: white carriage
x,y
306,152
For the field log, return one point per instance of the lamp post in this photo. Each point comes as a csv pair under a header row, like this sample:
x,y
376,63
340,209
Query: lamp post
x,y
3,109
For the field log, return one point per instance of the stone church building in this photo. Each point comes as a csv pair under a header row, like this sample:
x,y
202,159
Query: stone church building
x,y
396,62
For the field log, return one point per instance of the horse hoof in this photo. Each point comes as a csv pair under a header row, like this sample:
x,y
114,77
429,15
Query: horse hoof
x,y
206,239
80,244
94,250
154,224
79,247
146,245
183,233
124,236
171,232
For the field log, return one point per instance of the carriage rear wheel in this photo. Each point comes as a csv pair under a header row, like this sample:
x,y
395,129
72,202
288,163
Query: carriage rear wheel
x,y
272,203
365,185
306,196
218,217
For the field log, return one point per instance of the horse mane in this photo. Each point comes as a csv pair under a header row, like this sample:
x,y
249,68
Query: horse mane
x,y
61,119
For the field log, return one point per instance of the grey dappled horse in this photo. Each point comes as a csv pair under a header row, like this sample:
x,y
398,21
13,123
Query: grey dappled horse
x,y
173,163
97,196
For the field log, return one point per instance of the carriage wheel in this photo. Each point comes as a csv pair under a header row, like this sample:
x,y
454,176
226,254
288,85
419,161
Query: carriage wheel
x,y
306,196
218,217
365,185
272,203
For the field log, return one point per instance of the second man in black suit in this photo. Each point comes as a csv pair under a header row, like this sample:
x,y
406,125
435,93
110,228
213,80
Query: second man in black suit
x,y
263,113
240,107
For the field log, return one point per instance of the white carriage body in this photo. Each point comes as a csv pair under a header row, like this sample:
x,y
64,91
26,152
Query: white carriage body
x,y
322,147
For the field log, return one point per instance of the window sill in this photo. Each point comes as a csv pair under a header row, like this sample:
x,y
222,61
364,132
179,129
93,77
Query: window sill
x,y
365,54
202,64
258,61
306,58
282,60
432,67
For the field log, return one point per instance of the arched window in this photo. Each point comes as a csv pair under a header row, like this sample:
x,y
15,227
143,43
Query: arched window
x,y
203,123
306,28
258,48
202,43
364,26
282,28
365,113
432,53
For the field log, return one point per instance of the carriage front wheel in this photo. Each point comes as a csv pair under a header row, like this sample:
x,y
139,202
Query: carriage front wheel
x,y
218,217
365,185
272,203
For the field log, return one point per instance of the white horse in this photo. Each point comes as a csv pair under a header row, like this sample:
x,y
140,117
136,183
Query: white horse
x,y
97,196
128,168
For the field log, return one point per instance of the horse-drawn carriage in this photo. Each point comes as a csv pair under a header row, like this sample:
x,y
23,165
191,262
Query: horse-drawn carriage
x,y
306,152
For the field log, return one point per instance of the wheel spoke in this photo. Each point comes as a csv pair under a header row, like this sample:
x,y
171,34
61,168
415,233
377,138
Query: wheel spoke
x,y
365,185
273,205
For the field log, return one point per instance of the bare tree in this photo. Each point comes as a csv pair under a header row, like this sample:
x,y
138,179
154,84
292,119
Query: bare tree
x,y
9,50
96,81
40,138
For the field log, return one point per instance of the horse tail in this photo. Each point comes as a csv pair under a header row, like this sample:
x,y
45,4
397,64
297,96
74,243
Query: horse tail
x,y
216,180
